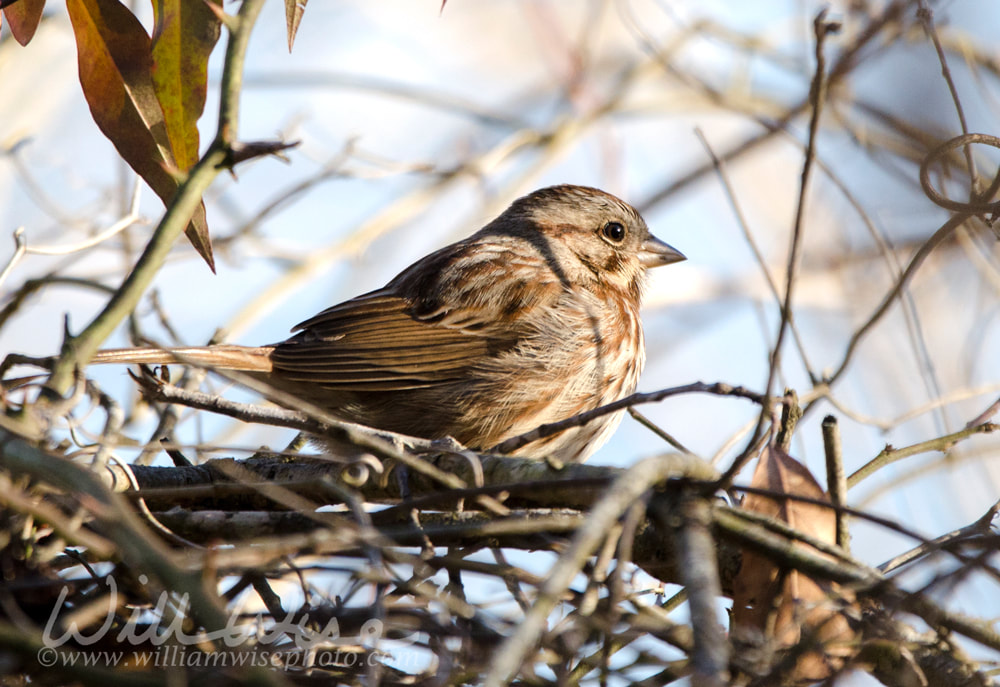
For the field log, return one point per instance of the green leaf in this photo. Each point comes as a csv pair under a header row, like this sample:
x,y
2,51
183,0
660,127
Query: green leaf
x,y
115,60
184,34
23,17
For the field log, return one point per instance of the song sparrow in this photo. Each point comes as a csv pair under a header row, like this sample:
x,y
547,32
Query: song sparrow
x,y
532,319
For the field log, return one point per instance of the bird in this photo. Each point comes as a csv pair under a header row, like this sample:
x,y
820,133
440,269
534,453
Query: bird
x,y
530,320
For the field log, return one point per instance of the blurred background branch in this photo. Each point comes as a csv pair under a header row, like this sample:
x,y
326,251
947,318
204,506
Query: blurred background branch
x,y
418,121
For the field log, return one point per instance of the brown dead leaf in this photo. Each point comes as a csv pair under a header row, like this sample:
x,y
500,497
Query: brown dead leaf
x,y
785,605
294,9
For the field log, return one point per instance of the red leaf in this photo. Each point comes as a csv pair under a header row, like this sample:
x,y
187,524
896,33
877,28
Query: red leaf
x,y
115,60
23,17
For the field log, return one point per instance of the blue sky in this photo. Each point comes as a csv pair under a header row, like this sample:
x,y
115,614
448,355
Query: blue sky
x,y
395,96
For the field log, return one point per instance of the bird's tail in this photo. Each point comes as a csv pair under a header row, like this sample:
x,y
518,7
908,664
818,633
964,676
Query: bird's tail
x,y
220,356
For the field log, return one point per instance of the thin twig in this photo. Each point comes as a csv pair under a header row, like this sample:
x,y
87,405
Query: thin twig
x,y
836,482
979,528
890,455
657,430
727,187
926,16
718,389
817,98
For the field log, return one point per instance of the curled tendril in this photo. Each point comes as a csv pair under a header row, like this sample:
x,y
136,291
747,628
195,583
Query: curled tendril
x,y
978,203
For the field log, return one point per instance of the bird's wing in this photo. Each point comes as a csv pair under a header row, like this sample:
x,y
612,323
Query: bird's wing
x,y
375,343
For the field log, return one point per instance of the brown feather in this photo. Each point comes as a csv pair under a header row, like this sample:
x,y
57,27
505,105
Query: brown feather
x,y
374,340
222,356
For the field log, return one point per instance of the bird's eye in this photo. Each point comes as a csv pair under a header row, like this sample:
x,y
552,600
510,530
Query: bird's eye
x,y
614,232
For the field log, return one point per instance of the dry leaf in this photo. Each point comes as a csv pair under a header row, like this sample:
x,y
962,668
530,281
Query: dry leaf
x,y
786,605
294,9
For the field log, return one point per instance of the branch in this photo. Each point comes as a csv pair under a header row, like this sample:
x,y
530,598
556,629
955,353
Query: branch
x,y
79,349
718,388
890,455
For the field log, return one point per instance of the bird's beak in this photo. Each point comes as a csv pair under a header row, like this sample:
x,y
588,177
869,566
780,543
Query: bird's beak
x,y
653,252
